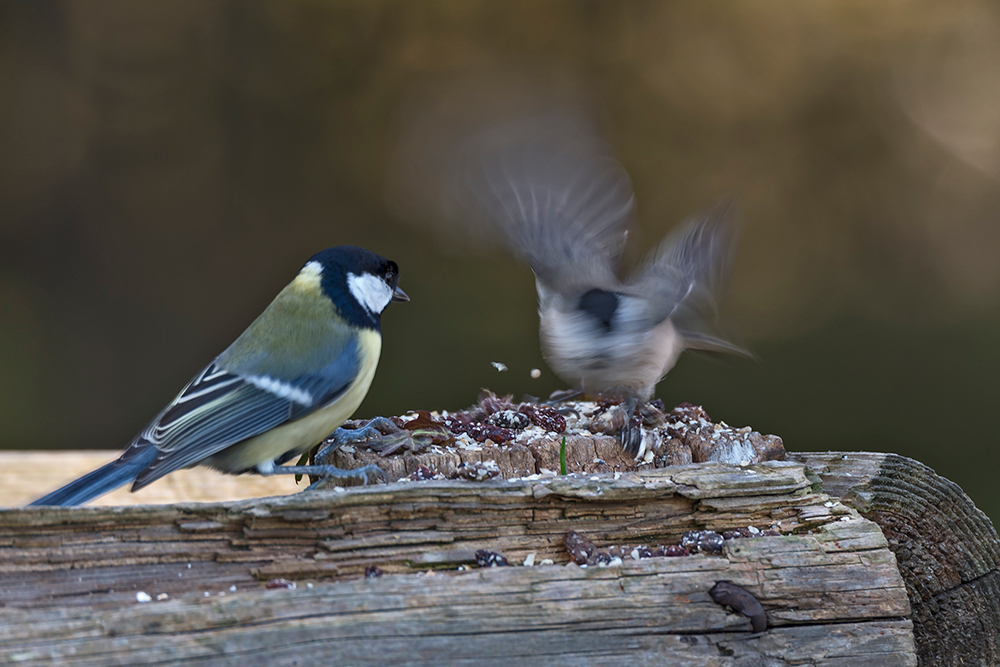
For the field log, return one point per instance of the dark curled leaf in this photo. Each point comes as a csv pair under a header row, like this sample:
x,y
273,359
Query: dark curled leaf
x,y
579,547
490,403
741,600
304,460
544,416
424,426
485,558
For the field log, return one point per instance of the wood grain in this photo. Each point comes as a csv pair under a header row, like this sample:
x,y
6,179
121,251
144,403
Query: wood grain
x,y
947,549
829,583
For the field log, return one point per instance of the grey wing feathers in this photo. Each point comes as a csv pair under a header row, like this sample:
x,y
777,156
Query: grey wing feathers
x,y
200,423
553,193
219,409
688,274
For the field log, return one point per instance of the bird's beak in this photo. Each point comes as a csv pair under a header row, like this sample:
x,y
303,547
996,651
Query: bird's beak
x,y
399,295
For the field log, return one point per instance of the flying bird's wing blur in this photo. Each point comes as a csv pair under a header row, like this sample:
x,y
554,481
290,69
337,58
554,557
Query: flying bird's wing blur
x,y
550,190
687,275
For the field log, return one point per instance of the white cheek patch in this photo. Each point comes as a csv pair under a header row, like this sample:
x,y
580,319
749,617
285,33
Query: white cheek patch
x,y
373,293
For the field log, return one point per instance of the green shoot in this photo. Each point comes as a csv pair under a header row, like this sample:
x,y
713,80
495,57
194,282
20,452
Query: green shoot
x,y
562,457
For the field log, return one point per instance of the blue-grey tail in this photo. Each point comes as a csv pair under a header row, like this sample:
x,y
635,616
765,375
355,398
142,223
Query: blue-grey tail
x,y
103,480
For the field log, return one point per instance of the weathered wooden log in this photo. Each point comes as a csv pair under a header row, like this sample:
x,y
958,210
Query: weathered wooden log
x,y
828,581
947,549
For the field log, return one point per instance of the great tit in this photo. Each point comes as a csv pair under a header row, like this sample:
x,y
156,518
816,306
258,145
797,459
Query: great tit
x,y
296,374
550,190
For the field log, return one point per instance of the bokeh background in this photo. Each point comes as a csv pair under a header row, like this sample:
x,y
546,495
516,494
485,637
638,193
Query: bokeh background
x,y
167,166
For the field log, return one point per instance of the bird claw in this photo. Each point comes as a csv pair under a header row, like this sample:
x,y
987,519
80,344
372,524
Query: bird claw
x,y
376,427
328,472
322,466
381,435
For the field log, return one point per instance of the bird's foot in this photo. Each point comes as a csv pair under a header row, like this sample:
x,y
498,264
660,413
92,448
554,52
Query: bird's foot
x,y
377,427
322,468
381,435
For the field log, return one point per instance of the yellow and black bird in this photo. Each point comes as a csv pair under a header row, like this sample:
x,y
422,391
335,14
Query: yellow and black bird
x,y
296,374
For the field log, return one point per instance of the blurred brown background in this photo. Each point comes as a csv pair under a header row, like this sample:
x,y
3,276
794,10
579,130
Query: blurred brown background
x,y
165,168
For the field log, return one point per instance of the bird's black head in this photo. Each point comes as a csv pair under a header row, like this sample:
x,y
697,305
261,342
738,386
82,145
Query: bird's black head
x,y
601,305
358,282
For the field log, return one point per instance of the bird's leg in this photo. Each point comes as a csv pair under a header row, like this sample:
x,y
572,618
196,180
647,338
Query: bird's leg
x,y
325,472
377,429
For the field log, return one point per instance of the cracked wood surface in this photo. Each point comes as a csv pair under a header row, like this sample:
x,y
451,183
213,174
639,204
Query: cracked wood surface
x,y
829,583
947,549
